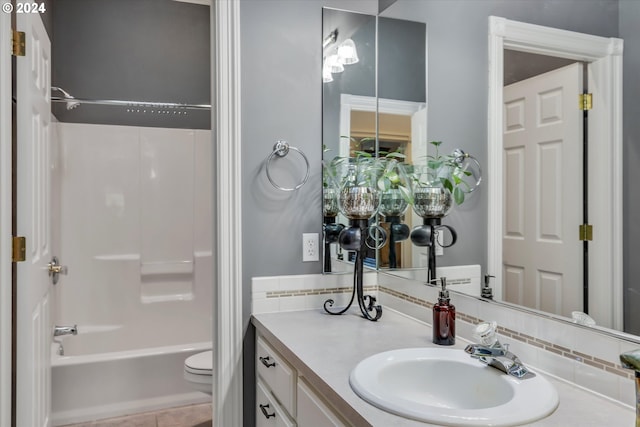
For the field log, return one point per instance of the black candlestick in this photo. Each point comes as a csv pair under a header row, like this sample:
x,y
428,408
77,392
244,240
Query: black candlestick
x,y
354,239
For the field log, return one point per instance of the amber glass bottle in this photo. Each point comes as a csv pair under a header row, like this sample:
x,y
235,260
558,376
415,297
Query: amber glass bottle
x,y
444,318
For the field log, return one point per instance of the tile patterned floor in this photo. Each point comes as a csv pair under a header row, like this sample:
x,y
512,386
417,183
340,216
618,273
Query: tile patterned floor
x,y
184,416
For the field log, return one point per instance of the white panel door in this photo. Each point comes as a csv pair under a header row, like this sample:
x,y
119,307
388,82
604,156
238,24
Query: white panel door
x,y
542,256
33,394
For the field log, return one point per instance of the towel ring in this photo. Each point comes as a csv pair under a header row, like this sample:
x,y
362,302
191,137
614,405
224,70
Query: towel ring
x,y
281,149
459,157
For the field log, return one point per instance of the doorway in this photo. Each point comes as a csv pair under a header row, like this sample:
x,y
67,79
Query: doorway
x,y
154,287
604,59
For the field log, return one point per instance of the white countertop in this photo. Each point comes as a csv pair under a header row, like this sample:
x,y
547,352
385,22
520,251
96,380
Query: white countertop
x,y
325,348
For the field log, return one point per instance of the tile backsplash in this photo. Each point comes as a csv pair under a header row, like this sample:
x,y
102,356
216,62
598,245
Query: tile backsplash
x,y
576,354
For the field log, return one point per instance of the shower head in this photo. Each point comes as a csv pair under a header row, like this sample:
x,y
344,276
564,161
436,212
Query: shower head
x,y
67,97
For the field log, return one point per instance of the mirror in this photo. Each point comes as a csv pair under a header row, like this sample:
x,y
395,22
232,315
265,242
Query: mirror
x,y
384,118
354,85
458,98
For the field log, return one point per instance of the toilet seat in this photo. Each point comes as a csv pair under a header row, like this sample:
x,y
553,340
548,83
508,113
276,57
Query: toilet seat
x,y
198,371
200,363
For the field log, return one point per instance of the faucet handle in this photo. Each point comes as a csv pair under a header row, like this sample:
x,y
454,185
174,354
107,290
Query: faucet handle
x,y
485,333
518,370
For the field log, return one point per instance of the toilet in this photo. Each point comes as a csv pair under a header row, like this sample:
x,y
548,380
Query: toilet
x,y
197,371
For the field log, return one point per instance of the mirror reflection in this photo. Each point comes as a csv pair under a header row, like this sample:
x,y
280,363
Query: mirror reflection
x,y
458,99
364,119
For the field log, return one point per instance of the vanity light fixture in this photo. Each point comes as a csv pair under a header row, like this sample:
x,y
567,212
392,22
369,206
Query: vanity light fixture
x,y
344,54
333,62
330,39
326,73
347,53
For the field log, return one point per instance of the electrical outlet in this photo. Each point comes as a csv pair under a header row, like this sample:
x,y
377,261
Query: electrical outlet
x,y
310,247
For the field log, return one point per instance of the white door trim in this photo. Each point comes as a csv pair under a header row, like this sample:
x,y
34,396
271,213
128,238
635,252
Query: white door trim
x,y
504,33
227,295
5,219
350,102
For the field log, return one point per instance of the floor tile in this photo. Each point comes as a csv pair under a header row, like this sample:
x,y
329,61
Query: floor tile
x,y
142,420
186,416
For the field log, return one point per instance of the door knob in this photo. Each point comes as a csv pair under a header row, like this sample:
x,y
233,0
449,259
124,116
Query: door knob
x,y
56,269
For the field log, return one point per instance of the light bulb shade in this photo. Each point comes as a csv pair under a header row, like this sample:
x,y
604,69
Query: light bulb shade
x,y
326,73
347,53
334,64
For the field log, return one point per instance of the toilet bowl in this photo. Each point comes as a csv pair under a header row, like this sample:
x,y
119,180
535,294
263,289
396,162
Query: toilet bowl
x,y
197,371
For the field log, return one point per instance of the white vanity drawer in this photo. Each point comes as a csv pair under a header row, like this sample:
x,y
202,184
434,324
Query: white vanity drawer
x,y
268,412
277,375
312,411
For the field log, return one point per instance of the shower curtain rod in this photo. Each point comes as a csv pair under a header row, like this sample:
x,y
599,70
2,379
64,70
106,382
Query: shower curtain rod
x,y
73,102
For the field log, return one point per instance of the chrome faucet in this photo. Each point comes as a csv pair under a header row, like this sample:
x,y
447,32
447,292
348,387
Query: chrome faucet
x,y
491,352
499,357
65,330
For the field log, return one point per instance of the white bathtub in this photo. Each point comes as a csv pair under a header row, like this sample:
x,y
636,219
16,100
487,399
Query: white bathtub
x,y
102,385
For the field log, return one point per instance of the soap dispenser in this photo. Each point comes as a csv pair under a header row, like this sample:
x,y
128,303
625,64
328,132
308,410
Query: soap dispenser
x,y
487,292
444,318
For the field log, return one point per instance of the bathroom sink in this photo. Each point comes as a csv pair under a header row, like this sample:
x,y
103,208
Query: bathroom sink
x,y
446,386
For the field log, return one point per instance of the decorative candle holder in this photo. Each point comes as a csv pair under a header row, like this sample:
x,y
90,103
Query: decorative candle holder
x,y
358,202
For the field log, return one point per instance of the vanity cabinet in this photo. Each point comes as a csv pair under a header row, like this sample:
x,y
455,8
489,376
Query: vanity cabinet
x,y
269,413
284,398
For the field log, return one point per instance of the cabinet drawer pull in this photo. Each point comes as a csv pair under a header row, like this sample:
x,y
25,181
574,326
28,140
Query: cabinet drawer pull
x,y
265,361
263,408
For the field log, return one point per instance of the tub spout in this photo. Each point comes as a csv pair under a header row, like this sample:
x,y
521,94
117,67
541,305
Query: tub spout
x,y
65,330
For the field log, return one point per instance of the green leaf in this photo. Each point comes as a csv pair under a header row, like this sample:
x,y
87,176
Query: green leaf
x,y
406,194
447,184
434,164
384,184
396,155
458,196
362,153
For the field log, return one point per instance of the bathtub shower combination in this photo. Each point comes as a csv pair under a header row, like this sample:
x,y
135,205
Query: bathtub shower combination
x,y
136,234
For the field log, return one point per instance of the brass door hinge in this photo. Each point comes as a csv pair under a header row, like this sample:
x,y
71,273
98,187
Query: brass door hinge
x,y
586,232
19,249
19,47
586,101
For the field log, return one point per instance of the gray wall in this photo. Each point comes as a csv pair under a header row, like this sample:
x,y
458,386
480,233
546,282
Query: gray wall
x,y
402,60
281,56
141,50
629,19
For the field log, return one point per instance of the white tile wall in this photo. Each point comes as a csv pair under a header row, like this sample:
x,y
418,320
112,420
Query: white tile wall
x,y
553,346
128,244
304,292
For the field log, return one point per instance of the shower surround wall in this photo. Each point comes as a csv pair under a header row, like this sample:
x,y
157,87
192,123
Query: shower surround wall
x,y
136,219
